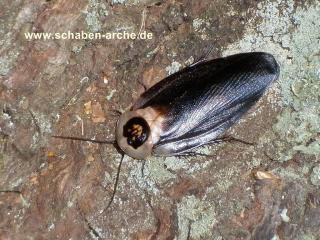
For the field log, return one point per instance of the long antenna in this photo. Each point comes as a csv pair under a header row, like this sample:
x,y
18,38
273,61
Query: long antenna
x,y
86,139
115,186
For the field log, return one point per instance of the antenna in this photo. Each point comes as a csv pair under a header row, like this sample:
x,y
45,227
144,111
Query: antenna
x,y
115,186
86,139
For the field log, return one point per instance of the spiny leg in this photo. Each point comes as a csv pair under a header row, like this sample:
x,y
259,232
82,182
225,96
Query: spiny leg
x,y
193,154
115,113
203,57
230,139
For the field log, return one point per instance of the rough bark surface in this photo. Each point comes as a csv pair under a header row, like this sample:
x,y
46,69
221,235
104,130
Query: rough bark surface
x,y
59,189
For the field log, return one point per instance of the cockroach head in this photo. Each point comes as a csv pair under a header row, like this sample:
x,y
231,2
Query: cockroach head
x,y
136,132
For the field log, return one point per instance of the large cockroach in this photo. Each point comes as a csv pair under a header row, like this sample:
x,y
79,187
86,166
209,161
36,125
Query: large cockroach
x,y
194,106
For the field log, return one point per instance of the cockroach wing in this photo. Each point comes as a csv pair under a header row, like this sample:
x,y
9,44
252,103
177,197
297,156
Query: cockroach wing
x,y
200,102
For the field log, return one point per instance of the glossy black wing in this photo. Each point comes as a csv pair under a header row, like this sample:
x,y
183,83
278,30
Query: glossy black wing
x,y
203,101
161,92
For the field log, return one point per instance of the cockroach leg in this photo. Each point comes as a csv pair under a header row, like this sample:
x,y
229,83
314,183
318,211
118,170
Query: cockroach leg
x,y
115,186
169,169
115,113
230,139
142,167
145,88
192,154
203,57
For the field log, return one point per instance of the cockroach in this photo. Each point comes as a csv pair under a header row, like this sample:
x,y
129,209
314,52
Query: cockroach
x,y
194,106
